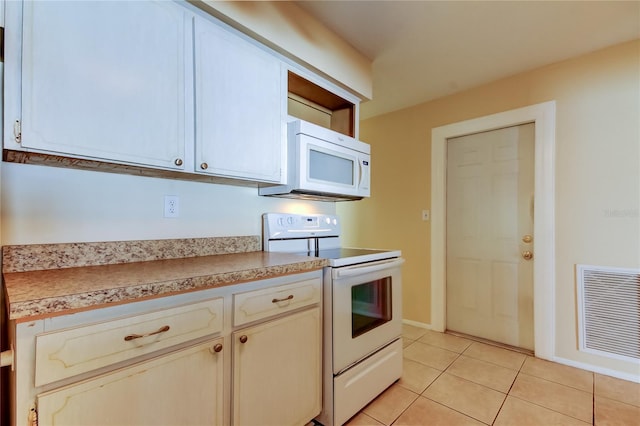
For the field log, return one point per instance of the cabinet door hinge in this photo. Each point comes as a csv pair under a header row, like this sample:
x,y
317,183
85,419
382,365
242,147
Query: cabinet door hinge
x,y
32,419
17,131
1,44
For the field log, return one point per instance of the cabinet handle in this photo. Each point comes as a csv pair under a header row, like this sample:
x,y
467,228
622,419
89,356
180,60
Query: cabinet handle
x,y
289,297
178,161
204,166
243,339
217,347
137,336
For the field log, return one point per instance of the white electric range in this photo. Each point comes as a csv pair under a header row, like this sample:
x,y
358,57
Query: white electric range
x,y
362,310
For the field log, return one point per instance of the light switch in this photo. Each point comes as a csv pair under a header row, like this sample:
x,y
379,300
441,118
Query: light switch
x,y
425,215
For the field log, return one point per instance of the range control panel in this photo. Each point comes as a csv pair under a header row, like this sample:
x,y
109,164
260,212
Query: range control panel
x,y
282,226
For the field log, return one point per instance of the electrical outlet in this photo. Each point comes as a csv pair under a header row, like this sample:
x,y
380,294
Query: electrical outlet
x,y
171,206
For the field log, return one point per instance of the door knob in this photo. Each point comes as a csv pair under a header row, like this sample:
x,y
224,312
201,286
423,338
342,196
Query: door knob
x,y
527,255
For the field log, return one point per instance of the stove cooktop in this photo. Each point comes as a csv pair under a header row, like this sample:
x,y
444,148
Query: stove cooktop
x,y
304,234
351,256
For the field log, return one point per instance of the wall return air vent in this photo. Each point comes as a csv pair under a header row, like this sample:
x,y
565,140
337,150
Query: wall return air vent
x,y
609,311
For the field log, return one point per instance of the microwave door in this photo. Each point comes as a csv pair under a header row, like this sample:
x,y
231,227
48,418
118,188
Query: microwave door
x,y
329,168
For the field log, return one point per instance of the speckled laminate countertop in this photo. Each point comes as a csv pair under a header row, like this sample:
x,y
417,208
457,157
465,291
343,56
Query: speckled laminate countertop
x,y
56,282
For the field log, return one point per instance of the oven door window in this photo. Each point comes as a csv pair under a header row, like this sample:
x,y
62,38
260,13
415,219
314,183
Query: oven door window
x,y
370,305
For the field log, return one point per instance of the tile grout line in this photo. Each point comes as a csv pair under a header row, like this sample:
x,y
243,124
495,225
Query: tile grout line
x,y
551,381
418,395
403,411
453,409
509,390
446,406
433,381
560,384
549,409
519,371
462,378
593,395
519,374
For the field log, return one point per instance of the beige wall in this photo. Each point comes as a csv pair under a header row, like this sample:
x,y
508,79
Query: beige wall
x,y
597,176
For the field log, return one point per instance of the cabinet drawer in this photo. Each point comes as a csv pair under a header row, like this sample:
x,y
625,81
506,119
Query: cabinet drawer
x,y
259,304
65,353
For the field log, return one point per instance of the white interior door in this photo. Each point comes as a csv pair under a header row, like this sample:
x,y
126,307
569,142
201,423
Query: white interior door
x,y
490,189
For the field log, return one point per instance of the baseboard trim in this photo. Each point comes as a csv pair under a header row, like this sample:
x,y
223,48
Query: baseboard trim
x,y
560,360
418,324
595,369
490,342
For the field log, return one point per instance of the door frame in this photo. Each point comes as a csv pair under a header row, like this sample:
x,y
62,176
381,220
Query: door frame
x,y
543,116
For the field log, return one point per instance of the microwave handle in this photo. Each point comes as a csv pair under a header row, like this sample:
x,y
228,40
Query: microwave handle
x,y
365,177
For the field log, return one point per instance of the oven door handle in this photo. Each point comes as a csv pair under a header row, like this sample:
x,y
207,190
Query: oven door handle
x,y
349,271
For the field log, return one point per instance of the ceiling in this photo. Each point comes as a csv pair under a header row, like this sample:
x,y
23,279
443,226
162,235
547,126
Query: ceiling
x,y
423,50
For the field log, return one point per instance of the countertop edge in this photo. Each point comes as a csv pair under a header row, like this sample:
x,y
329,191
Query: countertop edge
x,y
45,280
77,302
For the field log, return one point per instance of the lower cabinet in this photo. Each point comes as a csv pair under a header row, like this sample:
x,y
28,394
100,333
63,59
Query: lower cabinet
x,y
184,387
246,354
277,371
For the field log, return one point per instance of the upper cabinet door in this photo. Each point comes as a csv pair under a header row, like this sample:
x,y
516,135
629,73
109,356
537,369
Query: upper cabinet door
x,y
106,80
240,101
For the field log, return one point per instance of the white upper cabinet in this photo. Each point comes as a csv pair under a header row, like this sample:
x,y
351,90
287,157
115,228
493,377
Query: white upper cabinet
x,y
156,85
106,80
240,102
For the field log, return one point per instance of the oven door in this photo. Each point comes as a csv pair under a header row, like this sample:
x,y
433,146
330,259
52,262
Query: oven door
x,y
367,309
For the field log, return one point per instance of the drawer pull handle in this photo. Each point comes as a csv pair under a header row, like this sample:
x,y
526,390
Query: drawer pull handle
x,y
289,297
217,347
137,336
243,339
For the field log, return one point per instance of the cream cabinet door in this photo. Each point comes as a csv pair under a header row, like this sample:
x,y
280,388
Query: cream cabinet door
x,y
181,388
277,371
106,80
240,102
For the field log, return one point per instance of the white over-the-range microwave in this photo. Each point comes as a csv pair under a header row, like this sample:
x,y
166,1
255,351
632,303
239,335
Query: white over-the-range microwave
x,y
324,165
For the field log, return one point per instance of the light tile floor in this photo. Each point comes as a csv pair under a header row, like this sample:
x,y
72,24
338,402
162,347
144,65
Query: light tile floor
x,y
448,380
